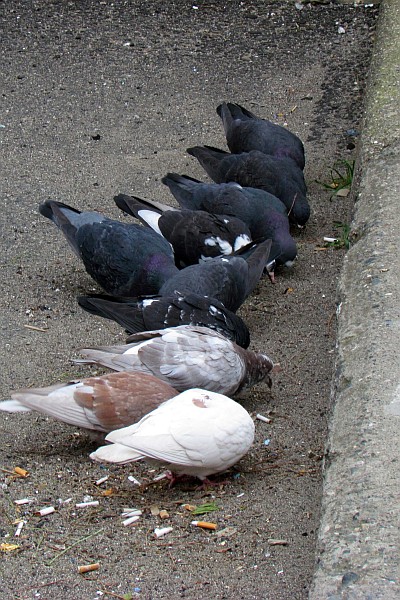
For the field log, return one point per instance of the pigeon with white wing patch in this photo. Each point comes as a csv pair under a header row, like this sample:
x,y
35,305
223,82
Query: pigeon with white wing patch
x,y
194,235
160,312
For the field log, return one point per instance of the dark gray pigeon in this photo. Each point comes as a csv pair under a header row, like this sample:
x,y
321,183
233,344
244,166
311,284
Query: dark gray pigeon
x,y
278,176
194,235
215,197
264,214
245,132
160,312
229,279
125,259
186,357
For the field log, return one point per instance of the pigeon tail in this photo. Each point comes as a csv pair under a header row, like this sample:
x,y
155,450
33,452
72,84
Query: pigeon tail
x,y
210,159
14,406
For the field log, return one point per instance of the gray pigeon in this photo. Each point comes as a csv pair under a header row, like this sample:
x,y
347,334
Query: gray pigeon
x,y
125,259
184,357
245,132
264,214
229,279
278,176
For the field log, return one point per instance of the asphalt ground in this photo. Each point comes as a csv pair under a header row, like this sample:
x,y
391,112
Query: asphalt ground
x,y
104,98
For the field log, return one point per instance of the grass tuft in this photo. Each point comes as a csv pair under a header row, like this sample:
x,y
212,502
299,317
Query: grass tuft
x,y
341,178
343,241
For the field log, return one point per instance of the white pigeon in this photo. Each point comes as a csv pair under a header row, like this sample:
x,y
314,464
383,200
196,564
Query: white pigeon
x,y
100,403
185,357
196,433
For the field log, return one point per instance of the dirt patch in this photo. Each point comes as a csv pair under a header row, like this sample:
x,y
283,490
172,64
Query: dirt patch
x,y
101,98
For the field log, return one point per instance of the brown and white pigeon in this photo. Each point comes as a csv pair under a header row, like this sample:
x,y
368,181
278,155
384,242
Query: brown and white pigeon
x,y
197,433
100,403
186,357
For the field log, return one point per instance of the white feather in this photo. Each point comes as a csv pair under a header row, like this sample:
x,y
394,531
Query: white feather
x,y
223,245
58,402
197,432
13,406
151,217
240,241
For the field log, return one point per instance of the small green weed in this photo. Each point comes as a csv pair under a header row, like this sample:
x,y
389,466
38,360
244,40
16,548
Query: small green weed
x,y
343,241
342,174
205,508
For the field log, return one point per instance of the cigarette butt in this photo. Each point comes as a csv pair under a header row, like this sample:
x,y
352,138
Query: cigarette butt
x,y
21,472
23,501
85,504
88,568
160,477
263,419
273,542
45,511
161,531
204,524
188,506
130,520
19,528
66,501
132,512
102,480
133,479
164,514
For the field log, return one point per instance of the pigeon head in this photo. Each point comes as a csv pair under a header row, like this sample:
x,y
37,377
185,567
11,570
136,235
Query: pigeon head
x,y
299,211
258,367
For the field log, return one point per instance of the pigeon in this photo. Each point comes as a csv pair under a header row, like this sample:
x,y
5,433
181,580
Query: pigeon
x,y
245,132
160,312
216,197
124,259
193,235
197,433
100,403
278,176
264,214
185,357
229,279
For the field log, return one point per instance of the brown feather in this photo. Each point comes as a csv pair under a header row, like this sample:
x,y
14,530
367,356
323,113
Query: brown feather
x,y
121,399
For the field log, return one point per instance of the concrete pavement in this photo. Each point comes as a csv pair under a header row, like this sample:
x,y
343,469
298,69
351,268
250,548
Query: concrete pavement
x,y
358,554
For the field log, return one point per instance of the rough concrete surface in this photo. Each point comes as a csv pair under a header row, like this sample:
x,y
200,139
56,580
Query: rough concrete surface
x,y
359,542
104,97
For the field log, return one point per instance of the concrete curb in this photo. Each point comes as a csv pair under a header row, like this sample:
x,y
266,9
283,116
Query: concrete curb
x,y
358,554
